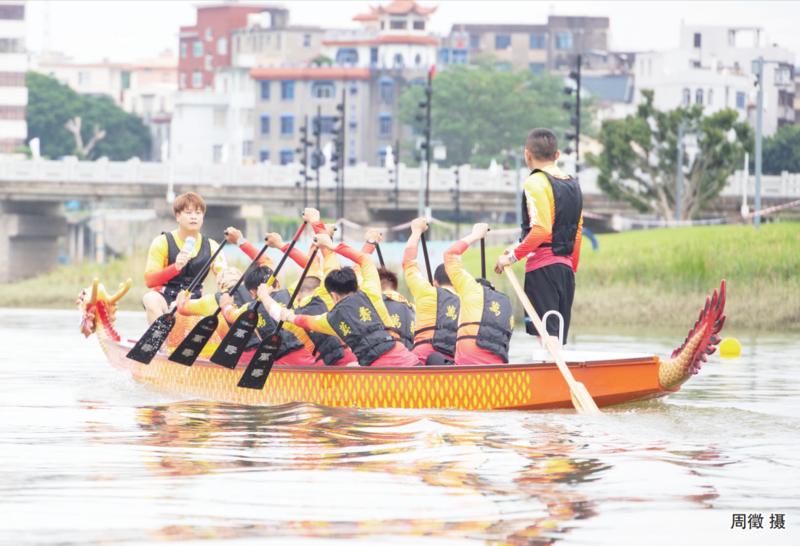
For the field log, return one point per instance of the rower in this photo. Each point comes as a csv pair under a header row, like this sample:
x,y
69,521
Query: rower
x,y
175,258
359,316
486,320
437,304
401,312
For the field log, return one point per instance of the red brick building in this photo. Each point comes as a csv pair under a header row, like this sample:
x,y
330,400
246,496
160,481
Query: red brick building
x,y
206,46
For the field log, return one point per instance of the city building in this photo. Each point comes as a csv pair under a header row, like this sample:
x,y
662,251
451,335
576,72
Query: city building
x,y
715,67
269,40
206,46
13,65
535,47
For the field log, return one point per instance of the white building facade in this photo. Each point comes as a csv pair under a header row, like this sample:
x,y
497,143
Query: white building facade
x,y
715,67
13,65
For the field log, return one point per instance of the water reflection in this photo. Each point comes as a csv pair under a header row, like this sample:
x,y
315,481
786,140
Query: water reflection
x,y
527,488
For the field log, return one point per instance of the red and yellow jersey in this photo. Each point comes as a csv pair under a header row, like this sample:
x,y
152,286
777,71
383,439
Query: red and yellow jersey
x,y
542,212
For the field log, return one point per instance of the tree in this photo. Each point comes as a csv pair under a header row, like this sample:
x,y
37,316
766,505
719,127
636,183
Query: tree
x,y
53,107
639,159
481,112
782,151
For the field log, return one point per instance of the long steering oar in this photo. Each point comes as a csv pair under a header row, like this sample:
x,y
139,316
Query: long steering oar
x,y
148,345
234,342
425,255
189,349
581,399
257,372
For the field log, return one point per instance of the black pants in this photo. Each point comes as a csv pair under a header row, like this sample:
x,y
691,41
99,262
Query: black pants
x,y
550,288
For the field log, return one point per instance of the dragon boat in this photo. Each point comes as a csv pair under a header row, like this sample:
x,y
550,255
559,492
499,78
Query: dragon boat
x,y
611,378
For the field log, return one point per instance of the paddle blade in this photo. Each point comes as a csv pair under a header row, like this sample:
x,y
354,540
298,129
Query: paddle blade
x,y
189,349
235,341
257,372
148,345
583,401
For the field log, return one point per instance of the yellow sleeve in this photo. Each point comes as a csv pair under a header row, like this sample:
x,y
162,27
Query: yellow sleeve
x,y
539,197
220,262
157,255
315,323
417,283
200,306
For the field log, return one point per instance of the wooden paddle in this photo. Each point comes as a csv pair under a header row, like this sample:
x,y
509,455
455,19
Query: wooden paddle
x,y
425,255
581,399
148,345
234,342
257,372
191,346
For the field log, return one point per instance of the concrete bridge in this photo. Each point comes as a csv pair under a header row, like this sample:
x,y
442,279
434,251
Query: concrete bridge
x,y
34,223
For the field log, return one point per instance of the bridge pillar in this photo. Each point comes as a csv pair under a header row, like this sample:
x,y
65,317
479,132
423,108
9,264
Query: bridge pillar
x,y
218,217
29,234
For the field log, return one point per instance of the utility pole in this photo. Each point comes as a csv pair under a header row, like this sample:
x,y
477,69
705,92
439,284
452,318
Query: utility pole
x,y
302,150
456,191
575,120
397,175
679,174
318,150
425,116
759,131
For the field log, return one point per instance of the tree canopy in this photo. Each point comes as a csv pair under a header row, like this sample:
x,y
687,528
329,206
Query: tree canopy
x,y
52,105
639,159
481,112
782,151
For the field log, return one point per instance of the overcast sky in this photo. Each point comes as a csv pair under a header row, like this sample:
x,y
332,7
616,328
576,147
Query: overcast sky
x,y
128,30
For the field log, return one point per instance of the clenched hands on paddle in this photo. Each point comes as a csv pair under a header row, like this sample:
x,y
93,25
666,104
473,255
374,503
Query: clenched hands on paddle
x,y
148,345
581,399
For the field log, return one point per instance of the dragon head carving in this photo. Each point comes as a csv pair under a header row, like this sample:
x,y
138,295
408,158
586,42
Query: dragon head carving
x,y
97,306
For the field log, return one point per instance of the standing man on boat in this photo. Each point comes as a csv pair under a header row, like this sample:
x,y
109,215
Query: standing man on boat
x,y
486,319
437,304
172,263
552,221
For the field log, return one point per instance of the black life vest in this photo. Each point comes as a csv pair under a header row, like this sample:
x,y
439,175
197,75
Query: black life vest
x,y
568,202
494,330
184,278
266,326
446,328
356,321
403,316
328,348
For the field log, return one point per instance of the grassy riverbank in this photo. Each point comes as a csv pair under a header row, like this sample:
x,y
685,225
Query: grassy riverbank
x,y
656,278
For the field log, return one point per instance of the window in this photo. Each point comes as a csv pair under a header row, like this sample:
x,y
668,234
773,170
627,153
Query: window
x,y
537,41
83,78
197,79
263,155
11,45
287,125
563,40
287,90
710,97
694,64
14,12
474,41
398,60
418,59
209,33
263,124
419,25
698,96
352,124
197,49
216,152
184,49
741,100
182,80
12,79
220,116
385,125
398,24
686,97
346,56
698,39
387,91
323,90
287,156
354,89
247,148
209,63
536,68
502,41
263,87
306,40
326,124
222,46
382,157
459,56
373,56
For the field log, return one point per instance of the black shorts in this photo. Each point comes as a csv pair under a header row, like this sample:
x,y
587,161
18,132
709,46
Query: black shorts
x,y
550,288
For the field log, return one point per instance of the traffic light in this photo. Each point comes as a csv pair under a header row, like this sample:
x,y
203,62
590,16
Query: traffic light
x,y
573,135
302,151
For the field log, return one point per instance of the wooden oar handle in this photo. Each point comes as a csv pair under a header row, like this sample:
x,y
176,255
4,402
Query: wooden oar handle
x,y
380,254
294,240
483,259
425,255
299,284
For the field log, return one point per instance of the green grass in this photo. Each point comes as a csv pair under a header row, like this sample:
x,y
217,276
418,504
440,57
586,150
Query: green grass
x,y
653,279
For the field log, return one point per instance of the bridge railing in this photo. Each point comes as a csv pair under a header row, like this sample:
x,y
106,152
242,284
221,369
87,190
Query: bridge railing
x,y
358,176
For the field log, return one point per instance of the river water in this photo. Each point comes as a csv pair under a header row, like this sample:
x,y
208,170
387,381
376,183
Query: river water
x,y
87,456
